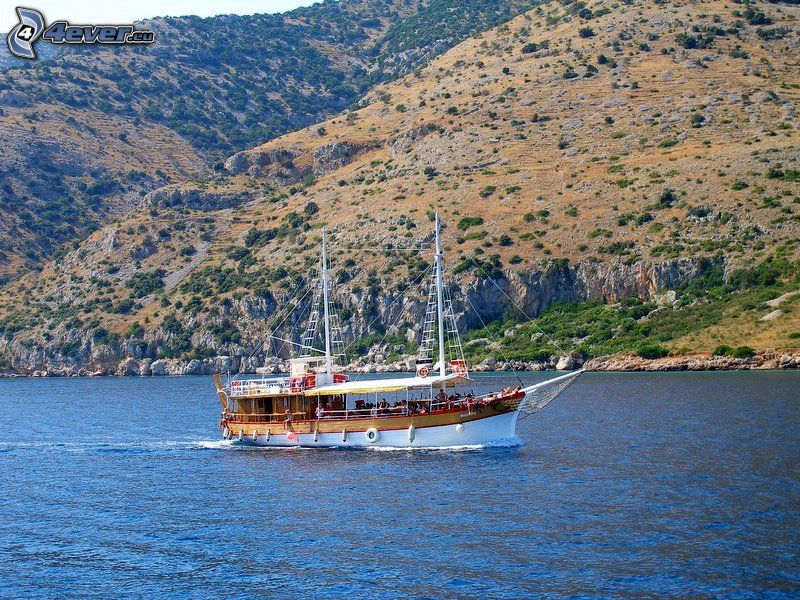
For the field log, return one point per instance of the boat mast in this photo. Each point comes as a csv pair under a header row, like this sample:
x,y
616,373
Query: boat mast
x,y
439,300
326,316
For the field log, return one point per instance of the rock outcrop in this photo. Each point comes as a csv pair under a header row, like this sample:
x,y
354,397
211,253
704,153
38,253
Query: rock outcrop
x,y
534,292
763,360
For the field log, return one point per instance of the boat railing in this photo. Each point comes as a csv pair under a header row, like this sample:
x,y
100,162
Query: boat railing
x,y
265,417
263,387
364,413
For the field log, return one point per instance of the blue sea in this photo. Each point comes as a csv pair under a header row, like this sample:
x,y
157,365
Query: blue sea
x,y
634,485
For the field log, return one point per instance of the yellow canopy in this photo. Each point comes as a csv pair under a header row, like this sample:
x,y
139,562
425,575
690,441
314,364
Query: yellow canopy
x,y
374,386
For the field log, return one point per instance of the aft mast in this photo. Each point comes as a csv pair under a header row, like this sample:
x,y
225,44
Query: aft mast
x,y
325,310
440,301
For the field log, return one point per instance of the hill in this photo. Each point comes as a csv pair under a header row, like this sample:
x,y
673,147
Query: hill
x,y
625,172
169,112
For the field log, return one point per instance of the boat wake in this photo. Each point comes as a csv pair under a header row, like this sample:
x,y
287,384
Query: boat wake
x,y
139,446
507,443
160,446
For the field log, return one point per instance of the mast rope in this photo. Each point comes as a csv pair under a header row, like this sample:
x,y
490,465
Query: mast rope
x,y
519,308
268,334
399,295
486,328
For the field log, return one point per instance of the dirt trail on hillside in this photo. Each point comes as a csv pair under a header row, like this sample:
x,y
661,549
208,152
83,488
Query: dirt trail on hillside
x,y
174,278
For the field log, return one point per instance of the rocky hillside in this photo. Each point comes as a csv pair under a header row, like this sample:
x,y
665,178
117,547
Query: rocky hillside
x,y
88,131
627,172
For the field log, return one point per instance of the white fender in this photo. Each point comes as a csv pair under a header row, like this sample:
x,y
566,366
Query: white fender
x,y
226,433
255,435
316,435
344,435
411,433
241,434
372,435
267,434
460,427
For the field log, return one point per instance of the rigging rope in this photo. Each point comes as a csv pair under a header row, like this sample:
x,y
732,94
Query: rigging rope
x,y
259,340
552,341
499,347
399,295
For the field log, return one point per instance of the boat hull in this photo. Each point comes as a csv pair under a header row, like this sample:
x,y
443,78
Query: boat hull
x,y
490,430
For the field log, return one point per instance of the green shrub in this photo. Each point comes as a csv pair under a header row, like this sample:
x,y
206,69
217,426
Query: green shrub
x,y
467,222
722,350
146,282
652,351
744,352
667,198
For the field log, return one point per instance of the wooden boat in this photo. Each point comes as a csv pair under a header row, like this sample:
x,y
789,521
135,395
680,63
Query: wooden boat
x,y
318,405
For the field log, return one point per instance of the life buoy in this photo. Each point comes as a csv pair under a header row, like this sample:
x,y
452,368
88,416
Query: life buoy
x,y
372,435
423,372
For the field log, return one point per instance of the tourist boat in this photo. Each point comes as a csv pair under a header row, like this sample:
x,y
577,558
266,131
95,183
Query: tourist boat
x,y
318,405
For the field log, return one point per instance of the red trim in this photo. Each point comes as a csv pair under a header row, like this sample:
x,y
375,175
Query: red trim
x,y
349,431
387,417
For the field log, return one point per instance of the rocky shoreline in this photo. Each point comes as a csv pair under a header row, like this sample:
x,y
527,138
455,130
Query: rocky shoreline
x,y
763,360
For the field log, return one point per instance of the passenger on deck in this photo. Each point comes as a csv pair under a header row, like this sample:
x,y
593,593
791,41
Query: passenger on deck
x,y
383,407
441,397
288,415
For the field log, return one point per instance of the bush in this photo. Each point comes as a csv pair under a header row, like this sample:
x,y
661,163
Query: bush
x,y
586,32
652,351
667,198
744,352
722,350
145,283
467,222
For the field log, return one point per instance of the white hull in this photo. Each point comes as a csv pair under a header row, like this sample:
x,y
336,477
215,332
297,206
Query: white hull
x,y
491,430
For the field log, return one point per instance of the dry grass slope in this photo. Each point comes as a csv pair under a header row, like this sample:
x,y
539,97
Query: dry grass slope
x,y
611,132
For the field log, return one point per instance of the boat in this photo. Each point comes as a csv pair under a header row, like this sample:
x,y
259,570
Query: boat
x,y
317,404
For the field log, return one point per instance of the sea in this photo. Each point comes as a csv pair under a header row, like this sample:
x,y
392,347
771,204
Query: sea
x,y
628,485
